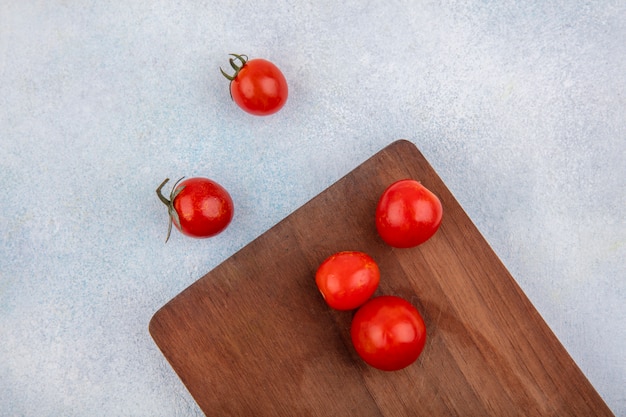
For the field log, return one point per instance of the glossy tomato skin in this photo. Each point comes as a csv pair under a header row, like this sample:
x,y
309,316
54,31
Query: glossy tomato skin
x,y
259,87
388,333
204,208
347,279
407,214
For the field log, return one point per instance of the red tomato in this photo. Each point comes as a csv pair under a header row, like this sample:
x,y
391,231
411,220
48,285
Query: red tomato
x,y
198,207
257,86
407,214
347,279
388,333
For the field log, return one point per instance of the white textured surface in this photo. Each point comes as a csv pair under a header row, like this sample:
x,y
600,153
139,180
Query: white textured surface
x,y
519,106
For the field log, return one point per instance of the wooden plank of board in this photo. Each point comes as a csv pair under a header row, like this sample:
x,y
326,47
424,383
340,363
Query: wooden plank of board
x,y
253,337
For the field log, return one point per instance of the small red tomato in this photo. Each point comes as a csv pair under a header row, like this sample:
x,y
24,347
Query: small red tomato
x,y
347,279
388,333
257,86
407,214
198,207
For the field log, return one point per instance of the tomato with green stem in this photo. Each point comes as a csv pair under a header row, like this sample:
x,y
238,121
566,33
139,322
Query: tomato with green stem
x,y
198,207
257,86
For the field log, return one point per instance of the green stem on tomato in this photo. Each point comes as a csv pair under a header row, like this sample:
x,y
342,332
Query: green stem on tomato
x,y
229,77
242,58
161,197
234,66
172,214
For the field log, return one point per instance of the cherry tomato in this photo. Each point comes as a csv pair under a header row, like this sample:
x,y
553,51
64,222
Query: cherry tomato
x,y
407,214
257,86
388,333
347,279
198,207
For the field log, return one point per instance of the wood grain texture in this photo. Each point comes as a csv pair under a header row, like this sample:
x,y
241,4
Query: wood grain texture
x,y
253,337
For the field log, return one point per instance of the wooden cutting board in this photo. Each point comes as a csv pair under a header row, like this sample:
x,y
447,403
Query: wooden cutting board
x,y
253,337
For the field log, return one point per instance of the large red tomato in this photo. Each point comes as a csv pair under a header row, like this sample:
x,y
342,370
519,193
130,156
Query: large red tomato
x,y
407,214
257,86
198,207
347,279
388,333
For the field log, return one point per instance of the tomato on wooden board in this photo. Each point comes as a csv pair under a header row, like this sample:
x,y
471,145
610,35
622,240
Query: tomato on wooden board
x,y
198,207
407,214
388,333
347,279
257,86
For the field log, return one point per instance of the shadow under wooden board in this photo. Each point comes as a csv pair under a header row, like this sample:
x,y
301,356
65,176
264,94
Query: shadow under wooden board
x,y
253,337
